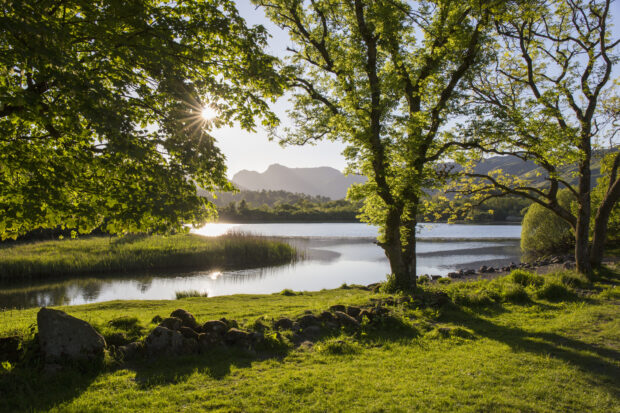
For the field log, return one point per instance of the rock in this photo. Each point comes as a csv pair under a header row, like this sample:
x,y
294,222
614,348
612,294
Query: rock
x,y
436,277
312,332
327,317
483,268
188,333
491,269
337,307
215,327
283,324
230,323
164,340
234,336
332,325
171,323
130,350
308,320
568,265
9,348
306,345
346,320
186,318
157,319
470,272
353,311
63,336
455,274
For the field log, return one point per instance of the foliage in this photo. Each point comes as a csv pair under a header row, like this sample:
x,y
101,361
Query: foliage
x,y
526,278
382,77
544,232
100,113
554,290
548,97
137,253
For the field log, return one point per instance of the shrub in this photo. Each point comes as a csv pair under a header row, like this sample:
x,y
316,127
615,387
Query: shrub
x,y
554,290
472,298
288,292
423,279
574,279
543,231
444,280
526,278
515,293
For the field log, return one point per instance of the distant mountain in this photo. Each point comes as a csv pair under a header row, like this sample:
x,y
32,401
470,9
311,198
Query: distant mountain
x,y
321,181
331,183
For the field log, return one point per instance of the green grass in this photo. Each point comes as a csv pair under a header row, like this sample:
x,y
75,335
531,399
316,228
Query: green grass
x,y
491,351
137,253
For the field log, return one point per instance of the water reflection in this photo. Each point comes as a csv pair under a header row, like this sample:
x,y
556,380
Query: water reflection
x,y
329,262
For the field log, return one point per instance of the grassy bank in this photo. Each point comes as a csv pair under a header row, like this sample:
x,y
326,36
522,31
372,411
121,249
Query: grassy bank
x,y
137,253
519,343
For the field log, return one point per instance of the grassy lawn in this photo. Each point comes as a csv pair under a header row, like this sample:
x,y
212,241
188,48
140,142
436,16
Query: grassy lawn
x,y
518,343
137,253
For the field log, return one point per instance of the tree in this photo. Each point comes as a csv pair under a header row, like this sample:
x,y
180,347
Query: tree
x,y
100,110
548,97
381,76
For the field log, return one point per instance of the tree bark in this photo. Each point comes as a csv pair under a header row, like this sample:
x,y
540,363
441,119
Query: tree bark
x,y
582,229
601,221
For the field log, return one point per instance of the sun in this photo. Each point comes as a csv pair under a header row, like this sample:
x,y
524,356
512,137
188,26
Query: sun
x,y
208,113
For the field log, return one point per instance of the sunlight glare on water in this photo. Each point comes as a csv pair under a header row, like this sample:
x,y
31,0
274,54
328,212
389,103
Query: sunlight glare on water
x,y
214,230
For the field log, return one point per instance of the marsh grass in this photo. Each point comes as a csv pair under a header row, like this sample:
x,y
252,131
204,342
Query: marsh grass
x,y
190,293
489,354
100,255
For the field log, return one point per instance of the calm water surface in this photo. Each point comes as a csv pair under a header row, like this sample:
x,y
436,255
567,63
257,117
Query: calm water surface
x,y
335,254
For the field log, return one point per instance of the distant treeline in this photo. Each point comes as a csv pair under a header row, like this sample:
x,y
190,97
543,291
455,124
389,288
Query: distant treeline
x,y
283,206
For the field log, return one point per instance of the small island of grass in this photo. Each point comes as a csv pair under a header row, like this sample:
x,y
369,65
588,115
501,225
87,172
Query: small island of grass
x,y
71,257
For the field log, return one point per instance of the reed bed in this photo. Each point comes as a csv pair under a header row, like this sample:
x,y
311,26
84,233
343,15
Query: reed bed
x,y
72,257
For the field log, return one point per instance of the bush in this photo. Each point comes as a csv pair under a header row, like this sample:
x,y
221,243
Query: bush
x,y
554,291
574,279
515,293
481,297
444,280
526,278
288,292
543,231
423,279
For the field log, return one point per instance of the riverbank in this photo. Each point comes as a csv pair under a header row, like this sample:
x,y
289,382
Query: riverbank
x,y
517,343
99,255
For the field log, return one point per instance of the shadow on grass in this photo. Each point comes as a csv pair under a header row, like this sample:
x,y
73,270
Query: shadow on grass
x,y
25,389
595,360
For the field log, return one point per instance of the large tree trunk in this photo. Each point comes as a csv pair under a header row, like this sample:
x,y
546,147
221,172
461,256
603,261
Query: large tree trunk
x,y
402,266
582,229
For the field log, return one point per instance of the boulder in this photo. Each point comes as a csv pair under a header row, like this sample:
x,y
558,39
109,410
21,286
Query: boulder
x,y
186,318
568,265
283,324
130,350
327,317
234,336
436,277
364,313
455,274
312,332
483,268
62,336
9,348
379,311
215,327
337,307
470,272
188,333
171,323
346,320
165,341
308,320
353,311
491,269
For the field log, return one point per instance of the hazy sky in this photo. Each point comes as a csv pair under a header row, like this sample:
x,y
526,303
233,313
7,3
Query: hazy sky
x,y
254,151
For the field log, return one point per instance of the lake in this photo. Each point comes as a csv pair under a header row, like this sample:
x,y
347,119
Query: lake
x,y
334,254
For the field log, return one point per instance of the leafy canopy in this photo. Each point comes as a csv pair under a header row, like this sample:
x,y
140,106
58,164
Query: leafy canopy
x,y
100,110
